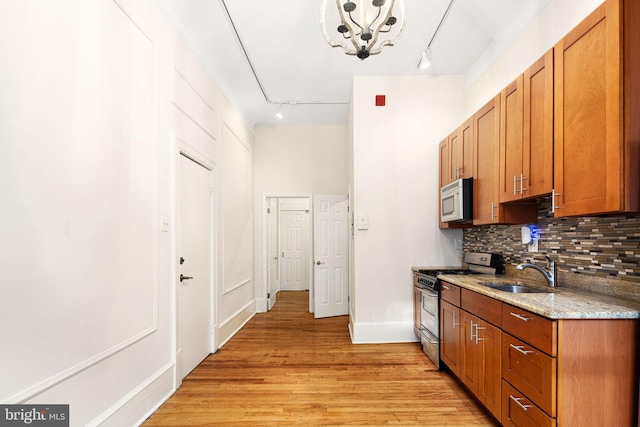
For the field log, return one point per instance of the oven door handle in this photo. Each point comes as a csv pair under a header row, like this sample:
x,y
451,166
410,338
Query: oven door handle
x,y
429,337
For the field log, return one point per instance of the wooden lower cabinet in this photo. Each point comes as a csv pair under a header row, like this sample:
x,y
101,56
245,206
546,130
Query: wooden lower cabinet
x,y
530,371
519,411
535,371
450,336
478,351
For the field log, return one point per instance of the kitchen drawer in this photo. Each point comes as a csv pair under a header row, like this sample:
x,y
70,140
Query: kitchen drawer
x,y
530,371
450,293
519,411
535,330
484,307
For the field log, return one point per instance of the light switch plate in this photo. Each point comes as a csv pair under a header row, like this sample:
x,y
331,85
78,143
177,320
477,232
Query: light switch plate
x,y
164,223
363,222
533,246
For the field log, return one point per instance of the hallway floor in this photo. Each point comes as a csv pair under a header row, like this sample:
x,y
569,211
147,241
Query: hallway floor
x,y
287,368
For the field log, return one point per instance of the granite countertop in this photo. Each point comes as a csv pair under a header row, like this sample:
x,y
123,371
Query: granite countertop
x,y
556,303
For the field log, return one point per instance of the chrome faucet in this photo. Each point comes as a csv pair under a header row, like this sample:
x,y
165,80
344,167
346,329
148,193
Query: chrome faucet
x,y
550,275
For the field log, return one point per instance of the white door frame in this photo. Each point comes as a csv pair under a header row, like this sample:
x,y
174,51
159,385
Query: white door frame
x,y
265,247
182,149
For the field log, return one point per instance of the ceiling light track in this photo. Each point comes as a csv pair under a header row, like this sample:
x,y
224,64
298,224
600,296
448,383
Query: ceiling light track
x,y
244,50
255,74
424,61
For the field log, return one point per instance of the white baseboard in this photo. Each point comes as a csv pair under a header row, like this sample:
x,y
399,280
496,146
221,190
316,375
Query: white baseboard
x,y
137,405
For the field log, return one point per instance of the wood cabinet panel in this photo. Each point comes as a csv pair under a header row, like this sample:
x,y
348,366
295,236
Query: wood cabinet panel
x,y
461,142
486,129
486,183
450,336
536,330
530,371
596,148
598,371
450,293
480,364
447,170
511,117
518,411
469,373
526,133
445,163
482,306
537,141
489,386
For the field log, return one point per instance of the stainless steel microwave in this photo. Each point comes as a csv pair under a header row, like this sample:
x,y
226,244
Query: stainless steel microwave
x,y
456,201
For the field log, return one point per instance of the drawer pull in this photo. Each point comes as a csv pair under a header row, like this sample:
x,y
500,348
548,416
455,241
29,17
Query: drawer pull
x,y
517,400
520,349
446,288
520,316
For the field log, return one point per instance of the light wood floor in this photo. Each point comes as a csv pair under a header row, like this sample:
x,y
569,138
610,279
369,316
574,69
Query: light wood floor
x,y
286,368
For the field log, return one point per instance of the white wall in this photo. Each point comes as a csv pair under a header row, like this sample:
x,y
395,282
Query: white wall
x,y
294,160
98,97
555,21
396,185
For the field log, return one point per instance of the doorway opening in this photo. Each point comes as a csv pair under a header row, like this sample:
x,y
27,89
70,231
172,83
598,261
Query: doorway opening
x,y
306,247
288,245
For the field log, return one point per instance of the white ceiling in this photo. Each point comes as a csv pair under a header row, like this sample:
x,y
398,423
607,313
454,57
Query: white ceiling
x,y
294,63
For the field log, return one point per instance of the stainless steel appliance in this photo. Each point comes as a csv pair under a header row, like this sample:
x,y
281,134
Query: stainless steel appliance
x,y
427,292
456,201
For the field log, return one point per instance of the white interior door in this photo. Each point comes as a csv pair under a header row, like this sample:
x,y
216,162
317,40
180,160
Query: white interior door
x,y
331,253
194,289
294,226
272,250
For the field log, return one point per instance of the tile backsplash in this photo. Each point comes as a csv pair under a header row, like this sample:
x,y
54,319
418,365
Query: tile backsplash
x,y
594,247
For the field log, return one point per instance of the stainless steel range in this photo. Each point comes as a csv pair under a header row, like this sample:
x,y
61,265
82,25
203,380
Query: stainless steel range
x,y
427,293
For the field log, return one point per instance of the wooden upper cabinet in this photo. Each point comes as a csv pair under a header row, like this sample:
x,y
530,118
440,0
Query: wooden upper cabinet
x,y
456,155
511,115
537,128
445,163
461,142
486,183
597,111
486,131
526,133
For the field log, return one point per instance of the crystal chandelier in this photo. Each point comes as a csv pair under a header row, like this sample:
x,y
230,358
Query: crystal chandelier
x,y
363,27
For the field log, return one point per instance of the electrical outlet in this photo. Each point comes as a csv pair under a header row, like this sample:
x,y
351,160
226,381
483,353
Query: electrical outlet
x,y
533,246
363,222
458,244
164,223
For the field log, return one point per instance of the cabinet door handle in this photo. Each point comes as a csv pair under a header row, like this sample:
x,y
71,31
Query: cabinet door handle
x,y
553,200
446,288
520,348
477,325
454,320
517,400
493,207
522,180
473,336
515,185
520,316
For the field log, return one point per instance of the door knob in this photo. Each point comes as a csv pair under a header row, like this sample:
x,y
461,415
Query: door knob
x,y
319,262
183,277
